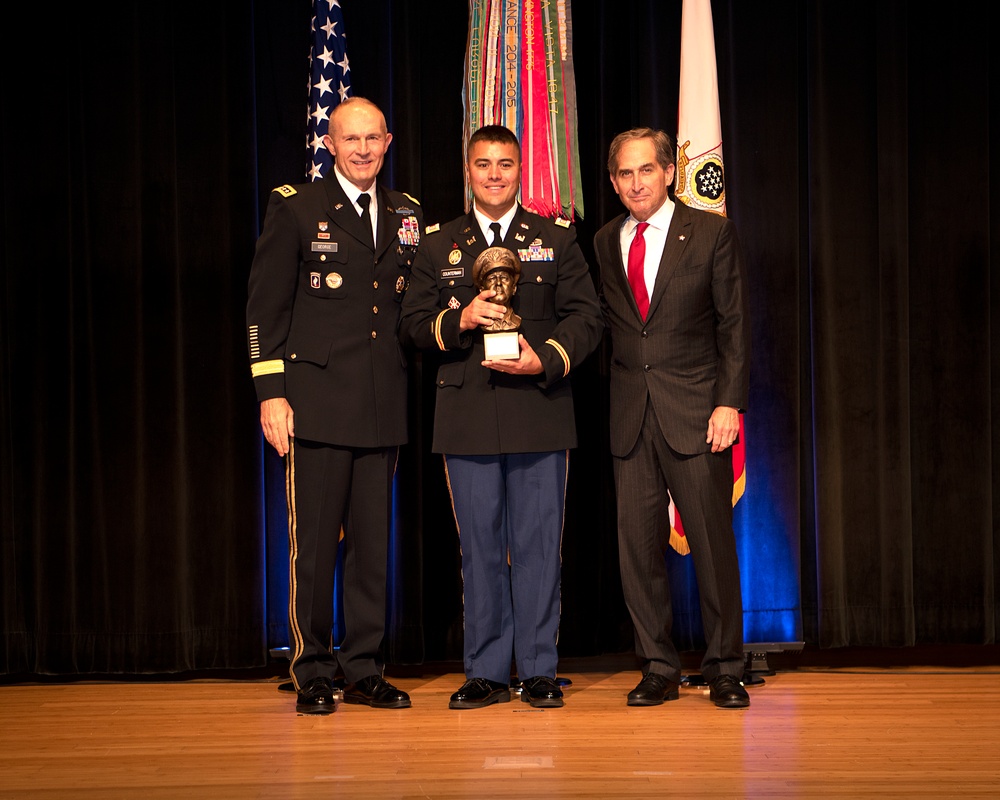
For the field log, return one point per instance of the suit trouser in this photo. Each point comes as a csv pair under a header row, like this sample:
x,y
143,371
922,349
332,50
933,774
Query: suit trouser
x,y
702,488
329,488
510,505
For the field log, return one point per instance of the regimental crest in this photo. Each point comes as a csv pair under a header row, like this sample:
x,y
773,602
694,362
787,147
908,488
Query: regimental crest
x,y
701,181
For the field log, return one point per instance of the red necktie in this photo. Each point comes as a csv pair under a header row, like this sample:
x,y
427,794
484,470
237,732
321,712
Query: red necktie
x,y
636,269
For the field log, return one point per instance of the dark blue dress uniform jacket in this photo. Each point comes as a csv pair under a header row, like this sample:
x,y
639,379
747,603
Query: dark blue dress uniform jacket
x,y
480,411
323,313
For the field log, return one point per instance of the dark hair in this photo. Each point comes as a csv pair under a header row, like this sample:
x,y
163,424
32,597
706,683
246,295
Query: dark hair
x,y
494,133
661,142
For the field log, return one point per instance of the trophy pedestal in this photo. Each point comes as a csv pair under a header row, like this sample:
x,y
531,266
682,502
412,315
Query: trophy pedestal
x,y
501,345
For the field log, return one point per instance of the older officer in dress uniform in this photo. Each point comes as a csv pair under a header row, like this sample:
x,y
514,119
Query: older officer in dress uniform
x,y
326,286
505,426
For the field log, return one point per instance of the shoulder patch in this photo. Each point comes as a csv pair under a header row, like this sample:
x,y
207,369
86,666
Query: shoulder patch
x,y
414,199
433,228
562,222
285,191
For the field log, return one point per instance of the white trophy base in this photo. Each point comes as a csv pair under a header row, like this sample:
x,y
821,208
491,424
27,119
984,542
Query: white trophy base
x,y
501,346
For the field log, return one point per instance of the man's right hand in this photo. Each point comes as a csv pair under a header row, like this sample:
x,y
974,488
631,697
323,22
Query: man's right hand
x,y
278,423
481,311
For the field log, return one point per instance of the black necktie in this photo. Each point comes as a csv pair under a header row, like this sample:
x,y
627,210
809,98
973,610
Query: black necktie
x,y
366,218
495,227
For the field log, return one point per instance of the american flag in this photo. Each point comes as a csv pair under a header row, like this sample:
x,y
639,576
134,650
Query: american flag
x,y
329,81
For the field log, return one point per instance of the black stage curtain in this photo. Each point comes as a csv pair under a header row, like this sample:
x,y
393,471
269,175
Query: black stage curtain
x,y
134,495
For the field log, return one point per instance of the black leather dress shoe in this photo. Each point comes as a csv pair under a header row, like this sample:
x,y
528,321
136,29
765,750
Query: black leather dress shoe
x,y
316,697
479,693
377,692
653,690
542,692
727,692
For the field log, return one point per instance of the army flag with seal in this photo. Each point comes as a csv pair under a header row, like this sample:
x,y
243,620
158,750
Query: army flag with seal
x,y
701,179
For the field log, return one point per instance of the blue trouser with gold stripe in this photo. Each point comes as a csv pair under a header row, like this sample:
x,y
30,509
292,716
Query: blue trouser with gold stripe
x,y
509,511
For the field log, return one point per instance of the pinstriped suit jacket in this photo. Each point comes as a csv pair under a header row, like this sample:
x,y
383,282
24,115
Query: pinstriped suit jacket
x,y
693,352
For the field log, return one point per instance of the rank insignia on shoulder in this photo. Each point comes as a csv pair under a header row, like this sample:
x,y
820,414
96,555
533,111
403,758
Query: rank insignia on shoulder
x,y
414,199
285,191
433,228
562,222
454,256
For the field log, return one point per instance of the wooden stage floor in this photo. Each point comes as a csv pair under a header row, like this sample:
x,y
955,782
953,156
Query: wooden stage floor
x,y
909,732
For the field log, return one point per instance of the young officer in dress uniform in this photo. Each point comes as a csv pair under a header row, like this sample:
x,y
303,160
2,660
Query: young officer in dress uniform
x,y
505,426
326,287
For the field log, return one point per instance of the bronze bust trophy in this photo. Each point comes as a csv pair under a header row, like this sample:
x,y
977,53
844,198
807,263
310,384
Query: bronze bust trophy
x,y
498,269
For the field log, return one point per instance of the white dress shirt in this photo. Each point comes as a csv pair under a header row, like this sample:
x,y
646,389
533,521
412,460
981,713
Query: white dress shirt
x,y
655,236
485,222
353,193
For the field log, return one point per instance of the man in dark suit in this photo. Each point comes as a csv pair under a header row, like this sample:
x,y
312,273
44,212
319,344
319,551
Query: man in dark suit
x,y
325,291
505,426
674,295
